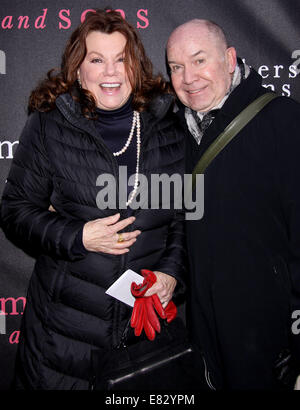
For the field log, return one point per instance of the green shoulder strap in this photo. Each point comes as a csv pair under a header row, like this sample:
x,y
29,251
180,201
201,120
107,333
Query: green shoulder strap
x,y
230,132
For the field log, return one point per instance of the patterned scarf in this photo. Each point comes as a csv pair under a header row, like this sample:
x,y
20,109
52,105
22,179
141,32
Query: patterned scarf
x,y
198,122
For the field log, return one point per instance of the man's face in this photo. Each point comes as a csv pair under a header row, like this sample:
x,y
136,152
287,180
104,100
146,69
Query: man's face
x,y
201,68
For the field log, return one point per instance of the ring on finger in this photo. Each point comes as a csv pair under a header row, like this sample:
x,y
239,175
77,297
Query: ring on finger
x,y
120,238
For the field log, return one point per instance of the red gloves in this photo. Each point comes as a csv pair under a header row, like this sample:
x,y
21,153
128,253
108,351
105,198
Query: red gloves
x,y
171,311
145,308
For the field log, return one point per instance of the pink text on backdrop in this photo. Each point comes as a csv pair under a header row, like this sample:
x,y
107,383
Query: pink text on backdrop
x,y
64,20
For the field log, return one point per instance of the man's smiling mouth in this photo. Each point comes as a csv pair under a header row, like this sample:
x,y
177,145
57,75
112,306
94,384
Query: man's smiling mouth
x,y
199,90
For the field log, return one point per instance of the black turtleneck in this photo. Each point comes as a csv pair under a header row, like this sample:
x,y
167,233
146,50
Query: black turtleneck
x,y
114,127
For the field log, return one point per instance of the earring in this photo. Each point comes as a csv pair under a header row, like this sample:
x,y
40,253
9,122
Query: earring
x,y
78,79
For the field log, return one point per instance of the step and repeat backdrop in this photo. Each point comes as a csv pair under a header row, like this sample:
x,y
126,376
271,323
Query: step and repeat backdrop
x,y
33,34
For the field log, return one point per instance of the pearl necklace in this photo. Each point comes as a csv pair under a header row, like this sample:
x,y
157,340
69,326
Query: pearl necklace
x,y
135,124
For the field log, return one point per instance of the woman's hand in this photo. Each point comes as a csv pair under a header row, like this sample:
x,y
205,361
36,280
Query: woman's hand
x,y
101,235
164,287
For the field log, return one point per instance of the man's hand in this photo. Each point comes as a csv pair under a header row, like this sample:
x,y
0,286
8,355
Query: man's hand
x,y
163,287
147,308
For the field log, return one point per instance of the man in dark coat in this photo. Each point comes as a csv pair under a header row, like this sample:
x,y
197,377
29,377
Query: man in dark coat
x,y
244,253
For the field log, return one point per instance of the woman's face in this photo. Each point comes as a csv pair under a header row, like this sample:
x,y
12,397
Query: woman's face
x,y
103,72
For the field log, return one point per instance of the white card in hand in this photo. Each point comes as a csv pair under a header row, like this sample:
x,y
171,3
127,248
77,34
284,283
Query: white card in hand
x,y
120,289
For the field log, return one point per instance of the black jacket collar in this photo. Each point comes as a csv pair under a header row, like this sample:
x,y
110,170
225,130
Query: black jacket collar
x,y
246,92
156,109
156,112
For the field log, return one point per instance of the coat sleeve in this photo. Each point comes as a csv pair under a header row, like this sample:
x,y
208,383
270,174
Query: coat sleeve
x,y
25,218
288,137
174,261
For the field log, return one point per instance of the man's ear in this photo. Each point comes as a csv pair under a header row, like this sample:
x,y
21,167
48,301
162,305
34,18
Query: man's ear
x,y
231,59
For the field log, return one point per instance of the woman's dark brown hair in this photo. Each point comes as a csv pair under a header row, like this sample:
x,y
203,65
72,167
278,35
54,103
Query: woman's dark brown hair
x,y
138,66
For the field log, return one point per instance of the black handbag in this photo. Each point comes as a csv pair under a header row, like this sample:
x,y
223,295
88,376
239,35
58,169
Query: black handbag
x,y
165,364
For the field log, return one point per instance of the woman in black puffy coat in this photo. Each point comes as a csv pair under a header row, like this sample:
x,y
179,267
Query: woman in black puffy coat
x,y
104,110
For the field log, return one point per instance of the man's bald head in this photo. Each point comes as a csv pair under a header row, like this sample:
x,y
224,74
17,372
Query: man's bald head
x,y
200,27
201,64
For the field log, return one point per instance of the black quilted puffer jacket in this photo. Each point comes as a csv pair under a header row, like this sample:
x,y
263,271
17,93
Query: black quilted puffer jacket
x,y
59,158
